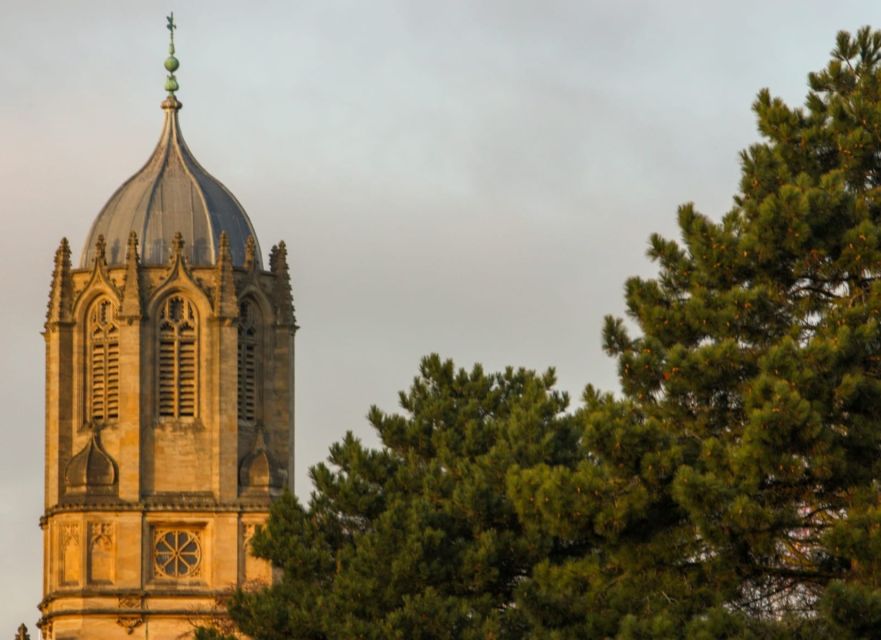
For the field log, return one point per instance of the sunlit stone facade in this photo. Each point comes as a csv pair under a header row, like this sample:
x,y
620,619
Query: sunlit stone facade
x,y
169,406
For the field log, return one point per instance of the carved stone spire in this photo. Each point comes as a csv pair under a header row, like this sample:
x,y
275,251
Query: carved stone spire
x,y
22,633
258,470
283,298
250,254
131,296
177,261
61,294
225,303
100,253
177,247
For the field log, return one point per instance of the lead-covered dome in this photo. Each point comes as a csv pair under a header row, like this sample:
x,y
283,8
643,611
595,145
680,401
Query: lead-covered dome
x,y
172,193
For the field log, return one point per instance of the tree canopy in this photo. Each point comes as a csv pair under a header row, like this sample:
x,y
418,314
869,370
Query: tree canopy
x,y
418,539
730,490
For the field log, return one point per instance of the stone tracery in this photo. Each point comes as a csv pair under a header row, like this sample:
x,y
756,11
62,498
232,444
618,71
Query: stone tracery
x,y
176,553
248,361
177,367
103,362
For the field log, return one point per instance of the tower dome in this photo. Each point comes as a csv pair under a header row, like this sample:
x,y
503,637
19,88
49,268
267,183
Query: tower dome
x,y
171,193
169,403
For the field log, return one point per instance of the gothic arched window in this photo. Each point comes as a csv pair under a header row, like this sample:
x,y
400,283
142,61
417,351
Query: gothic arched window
x,y
103,362
177,368
248,361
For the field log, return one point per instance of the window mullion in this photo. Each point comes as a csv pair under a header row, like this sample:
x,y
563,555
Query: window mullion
x,y
105,372
177,356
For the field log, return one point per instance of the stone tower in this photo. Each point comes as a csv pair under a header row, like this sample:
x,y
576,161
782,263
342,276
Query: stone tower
x,y
169,403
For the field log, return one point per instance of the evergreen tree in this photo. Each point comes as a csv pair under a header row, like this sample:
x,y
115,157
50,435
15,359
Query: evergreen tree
x,y
733,489
417,539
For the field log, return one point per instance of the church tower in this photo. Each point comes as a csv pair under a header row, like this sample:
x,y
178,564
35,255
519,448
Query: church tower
x,y
169,403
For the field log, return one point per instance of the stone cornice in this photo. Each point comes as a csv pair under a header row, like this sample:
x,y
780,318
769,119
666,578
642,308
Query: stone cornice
x,y
158,592
107,611
196,505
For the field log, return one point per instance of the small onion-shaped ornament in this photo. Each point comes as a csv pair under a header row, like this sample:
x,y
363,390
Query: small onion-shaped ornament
x,y
171,84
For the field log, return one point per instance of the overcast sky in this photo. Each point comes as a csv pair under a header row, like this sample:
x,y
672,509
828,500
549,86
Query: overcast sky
x,y
474,178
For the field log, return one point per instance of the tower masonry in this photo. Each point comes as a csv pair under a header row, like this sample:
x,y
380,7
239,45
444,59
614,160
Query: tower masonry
x,y
169,403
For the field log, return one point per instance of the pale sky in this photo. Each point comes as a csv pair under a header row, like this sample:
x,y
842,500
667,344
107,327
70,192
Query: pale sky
x,y
472,178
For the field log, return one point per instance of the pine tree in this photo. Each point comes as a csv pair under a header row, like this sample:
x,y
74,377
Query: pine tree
x,y
733,489
416,539
730,490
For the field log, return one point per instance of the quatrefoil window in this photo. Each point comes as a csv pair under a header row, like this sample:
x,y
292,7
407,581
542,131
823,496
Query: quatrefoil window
x,y
177,553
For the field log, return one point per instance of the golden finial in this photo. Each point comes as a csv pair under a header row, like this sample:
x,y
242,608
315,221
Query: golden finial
x,y
171,65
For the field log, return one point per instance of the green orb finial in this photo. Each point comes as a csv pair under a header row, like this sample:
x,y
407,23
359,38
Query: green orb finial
x,y
171,63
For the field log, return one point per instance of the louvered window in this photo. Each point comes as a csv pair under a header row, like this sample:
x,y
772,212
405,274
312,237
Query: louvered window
x,y
103,349
177,359
249,332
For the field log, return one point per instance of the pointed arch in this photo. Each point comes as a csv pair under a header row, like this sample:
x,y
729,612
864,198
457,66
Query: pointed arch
x,y
102,360
177,366
101,559
100,284
178,280
250,343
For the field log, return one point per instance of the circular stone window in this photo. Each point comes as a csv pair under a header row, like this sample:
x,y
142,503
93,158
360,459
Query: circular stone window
x,y
177,553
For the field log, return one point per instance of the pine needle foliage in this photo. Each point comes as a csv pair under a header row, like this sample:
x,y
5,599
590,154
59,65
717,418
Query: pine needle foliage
x,y
731,490
417,539
734,485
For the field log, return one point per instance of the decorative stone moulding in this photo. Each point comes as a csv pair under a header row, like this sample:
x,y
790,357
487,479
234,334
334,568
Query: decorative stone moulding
x,y
92,470
258,472
177,553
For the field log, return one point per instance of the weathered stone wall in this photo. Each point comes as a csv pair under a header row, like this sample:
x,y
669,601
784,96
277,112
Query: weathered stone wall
x,y
148,515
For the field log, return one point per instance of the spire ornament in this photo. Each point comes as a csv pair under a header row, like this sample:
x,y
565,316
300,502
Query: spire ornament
x,y
281,289
100,252
250,254
131,296
177,246
258,471
61,293
171,65
177,261
225,304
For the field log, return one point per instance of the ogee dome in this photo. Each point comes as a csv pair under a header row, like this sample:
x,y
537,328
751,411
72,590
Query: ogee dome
x,y
172,193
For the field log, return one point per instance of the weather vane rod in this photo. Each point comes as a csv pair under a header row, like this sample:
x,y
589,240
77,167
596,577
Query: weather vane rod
x,y
171,63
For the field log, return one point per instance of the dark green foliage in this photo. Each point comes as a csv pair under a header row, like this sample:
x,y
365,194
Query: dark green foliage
x,y
417,539
735,485
211,634
730,491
